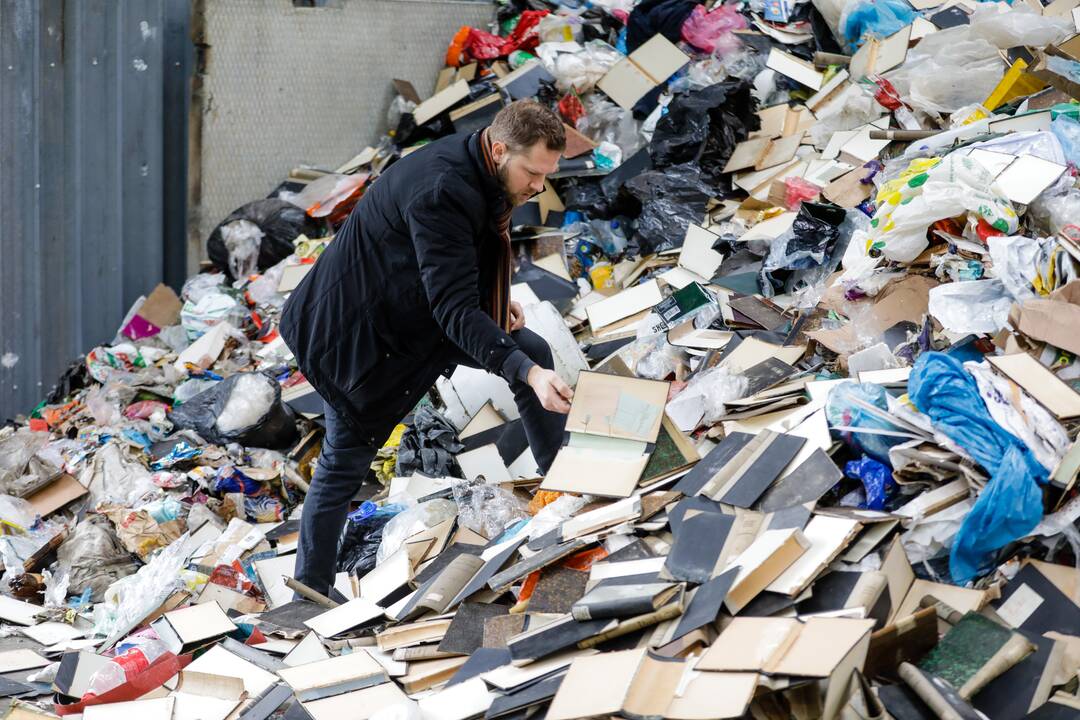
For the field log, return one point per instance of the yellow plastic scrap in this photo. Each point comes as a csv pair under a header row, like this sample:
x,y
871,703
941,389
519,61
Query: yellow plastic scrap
x,y
385,461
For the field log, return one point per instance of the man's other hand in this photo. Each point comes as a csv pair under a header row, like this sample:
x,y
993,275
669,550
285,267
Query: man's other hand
x,y
554,394
517,316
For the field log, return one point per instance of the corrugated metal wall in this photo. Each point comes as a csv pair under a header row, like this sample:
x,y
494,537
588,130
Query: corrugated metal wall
x,y
96,206
85,147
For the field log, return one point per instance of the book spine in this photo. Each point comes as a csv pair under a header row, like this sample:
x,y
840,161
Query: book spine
x,y
634,624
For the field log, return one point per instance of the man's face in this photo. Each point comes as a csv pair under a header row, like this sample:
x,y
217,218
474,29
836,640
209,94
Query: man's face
x,y
522,173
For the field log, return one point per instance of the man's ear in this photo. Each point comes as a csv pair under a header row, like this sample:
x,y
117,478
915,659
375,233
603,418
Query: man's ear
x,y
499,150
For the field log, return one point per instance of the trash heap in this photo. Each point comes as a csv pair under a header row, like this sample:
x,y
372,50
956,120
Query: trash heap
x,y
814,266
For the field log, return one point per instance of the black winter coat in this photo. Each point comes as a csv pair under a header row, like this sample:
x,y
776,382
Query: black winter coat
x,y
396,297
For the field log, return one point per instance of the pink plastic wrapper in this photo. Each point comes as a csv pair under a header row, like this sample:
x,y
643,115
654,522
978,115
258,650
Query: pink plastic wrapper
x,y
711,31
797,190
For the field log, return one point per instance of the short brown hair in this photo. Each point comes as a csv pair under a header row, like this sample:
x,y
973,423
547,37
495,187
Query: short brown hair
x,y
524,123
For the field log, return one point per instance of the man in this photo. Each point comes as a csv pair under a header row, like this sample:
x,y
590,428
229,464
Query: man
x,y
417,281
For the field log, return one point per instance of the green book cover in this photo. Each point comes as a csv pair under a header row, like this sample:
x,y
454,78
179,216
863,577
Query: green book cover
x,y
965,649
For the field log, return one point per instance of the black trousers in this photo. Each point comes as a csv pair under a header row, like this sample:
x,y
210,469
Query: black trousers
x,y
346,456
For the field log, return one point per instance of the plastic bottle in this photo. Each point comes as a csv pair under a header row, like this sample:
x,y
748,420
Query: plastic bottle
x,y
609,236
125,666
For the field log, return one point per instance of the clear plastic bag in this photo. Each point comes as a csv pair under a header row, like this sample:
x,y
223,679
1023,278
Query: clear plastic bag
x,y
197,286
703,398
928,79
486,508
131,598
242,239
1019,25
580,69
16,451
978,306
409,522
843,411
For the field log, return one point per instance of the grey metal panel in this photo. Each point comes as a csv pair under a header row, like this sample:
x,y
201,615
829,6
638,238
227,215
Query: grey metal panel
x,y
288,86
81,178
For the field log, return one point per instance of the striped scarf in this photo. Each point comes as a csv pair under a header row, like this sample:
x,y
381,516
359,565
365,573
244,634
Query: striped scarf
x,y
499,302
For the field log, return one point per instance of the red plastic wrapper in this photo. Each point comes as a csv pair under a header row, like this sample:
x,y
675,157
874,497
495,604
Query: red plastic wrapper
x,y
887,96
143,409
483,45
984,230
525,36
571,109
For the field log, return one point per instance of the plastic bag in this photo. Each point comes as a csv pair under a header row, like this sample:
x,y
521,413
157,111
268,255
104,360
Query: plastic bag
x,y
806,245
16,451
703,398
877,18
978,306
1030,267
211,309
198,286
671,199
928,79
244,408
486,508
332,196
711,31
1067,131
361,539
242,240
1011,504
607,122
279,221
409,522
1019,25
428,445
925,192
1021,415
876,478
131,598
843,411
580,70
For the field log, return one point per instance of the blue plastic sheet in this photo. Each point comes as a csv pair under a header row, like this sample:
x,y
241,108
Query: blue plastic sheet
x,y
878,18
1011,504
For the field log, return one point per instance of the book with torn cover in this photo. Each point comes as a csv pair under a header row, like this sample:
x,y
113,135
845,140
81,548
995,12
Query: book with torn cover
x,y
611,431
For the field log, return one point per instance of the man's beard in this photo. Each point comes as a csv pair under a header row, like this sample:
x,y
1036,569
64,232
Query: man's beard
x,y
518,199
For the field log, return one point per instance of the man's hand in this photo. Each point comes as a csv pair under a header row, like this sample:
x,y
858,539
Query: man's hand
x,y
517,316
554,394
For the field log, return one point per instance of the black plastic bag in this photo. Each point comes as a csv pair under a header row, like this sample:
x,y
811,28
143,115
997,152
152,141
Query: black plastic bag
x,y
280,222
704,126
274,427
671,199
806,246
428,445
360,543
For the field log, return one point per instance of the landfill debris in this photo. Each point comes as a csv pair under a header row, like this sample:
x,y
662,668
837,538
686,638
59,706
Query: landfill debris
x,y
815,266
